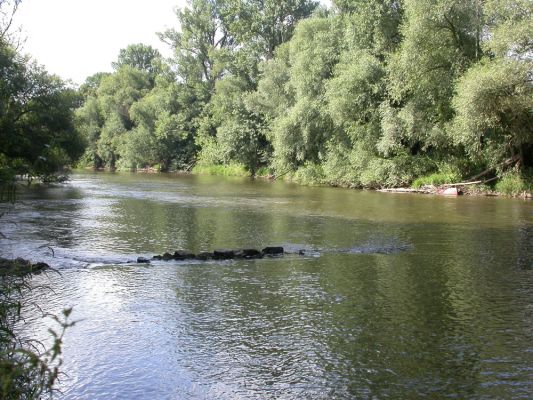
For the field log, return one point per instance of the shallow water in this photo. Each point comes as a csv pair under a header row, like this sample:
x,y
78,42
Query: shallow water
x,y
399,295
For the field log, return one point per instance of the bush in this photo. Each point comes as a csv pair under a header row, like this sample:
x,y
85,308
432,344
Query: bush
x,y
219,169
515,183
448,172
25,373
436,179
309,174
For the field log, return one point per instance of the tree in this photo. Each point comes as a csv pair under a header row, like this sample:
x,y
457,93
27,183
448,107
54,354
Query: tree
x,y
161,134
372,25
142,57
240,132
494,104
440,39
291,94
36,117
510,27
105,118
203,33
265,24
8,9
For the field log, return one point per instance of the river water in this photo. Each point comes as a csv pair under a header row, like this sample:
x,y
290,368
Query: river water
x,y
398,296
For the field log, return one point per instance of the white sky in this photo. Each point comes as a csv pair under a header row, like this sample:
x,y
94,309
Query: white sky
x,y
77,38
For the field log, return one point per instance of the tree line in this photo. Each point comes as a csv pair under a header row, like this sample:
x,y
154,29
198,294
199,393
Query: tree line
x,y
38,135
367,93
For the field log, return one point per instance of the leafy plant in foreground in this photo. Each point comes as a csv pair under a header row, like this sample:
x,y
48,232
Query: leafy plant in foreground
x,y
28,370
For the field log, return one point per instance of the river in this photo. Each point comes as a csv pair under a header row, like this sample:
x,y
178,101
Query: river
x,y
398,296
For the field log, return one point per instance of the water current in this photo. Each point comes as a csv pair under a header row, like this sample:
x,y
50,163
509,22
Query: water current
x,y
398,296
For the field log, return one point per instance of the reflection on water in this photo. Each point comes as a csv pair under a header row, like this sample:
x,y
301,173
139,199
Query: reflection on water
x,y
407,296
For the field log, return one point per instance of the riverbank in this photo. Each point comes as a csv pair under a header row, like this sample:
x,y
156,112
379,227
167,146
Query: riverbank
x,y
511,184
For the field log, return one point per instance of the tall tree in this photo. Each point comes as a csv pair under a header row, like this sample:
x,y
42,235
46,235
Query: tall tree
x,y
140,56
203,32
36,117
440,39
265,24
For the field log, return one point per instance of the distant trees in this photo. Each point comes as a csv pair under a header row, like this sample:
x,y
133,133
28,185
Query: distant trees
x,y
200,111
370,93
37,132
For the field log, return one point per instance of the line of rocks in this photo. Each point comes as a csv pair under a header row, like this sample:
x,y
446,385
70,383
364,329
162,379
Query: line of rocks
x,y
222,254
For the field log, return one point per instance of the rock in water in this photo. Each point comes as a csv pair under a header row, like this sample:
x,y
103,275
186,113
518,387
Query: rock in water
x,y
272,251
205,256
248,254
451,192
183,255
224,254
142,260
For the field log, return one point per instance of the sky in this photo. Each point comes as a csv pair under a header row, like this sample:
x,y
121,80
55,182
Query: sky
x,y
77,38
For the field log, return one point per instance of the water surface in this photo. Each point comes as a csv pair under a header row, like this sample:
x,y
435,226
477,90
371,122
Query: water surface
x,y
402,296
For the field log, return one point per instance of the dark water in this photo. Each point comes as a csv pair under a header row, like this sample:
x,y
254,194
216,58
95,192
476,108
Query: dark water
x,y
430,297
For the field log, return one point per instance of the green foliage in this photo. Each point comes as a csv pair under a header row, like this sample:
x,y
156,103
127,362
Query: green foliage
x,y
25,373
440,41
510,27
300,130
37,133
140,56
435,179
264,25
219,169
133,119
356,89
494,104
515,183
309,174
371,25
375,93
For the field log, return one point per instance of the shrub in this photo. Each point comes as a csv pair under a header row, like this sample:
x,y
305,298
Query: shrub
x,y
219,169
309,174
25,372
514,183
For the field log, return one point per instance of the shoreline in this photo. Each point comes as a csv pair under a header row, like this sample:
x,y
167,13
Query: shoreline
x,y
462,188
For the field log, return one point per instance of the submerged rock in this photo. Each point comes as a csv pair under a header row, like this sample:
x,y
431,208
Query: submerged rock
x,y
224,254
273,251
142,260
248,254
219,254
205,256
183,255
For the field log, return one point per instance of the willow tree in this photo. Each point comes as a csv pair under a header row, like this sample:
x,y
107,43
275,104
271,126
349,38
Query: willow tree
x,y
494,99
440,41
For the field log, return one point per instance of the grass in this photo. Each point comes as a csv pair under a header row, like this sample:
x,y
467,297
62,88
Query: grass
x,y
224,170
435,179
515,184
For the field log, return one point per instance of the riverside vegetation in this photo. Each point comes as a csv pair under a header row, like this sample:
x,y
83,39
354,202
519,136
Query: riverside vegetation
x,y
367,94
28,368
